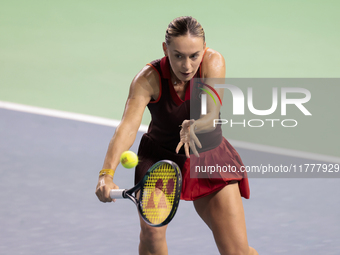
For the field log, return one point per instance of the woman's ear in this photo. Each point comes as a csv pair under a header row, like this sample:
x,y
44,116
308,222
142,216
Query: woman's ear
x,y
165,49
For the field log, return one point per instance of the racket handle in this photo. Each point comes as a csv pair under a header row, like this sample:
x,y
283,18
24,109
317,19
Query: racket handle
x,y
117,193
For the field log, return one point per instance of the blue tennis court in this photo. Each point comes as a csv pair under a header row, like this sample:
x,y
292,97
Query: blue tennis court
x,y
49,169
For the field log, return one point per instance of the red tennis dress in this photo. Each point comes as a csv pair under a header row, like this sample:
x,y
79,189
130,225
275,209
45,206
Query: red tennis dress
x,y
168,112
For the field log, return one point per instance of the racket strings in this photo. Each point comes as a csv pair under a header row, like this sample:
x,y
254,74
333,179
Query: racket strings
x,y
158,194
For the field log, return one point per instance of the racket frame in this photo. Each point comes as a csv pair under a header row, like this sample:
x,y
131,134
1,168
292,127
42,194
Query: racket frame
x,y
177,188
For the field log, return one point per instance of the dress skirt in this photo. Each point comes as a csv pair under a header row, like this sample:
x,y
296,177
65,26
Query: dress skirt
x,y
223,162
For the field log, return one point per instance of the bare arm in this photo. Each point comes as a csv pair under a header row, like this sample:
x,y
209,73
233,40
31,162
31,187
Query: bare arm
x,y
142,89
213,66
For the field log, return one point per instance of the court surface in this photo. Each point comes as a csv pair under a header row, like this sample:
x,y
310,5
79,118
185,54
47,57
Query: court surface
x,y
49,169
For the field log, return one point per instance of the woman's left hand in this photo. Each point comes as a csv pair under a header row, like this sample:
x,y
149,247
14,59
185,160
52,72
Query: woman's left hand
x,y
188,138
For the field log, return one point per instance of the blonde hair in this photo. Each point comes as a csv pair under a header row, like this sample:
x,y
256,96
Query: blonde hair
x,y
182,26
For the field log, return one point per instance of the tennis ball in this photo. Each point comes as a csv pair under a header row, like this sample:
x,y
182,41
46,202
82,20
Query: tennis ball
x,y
129,159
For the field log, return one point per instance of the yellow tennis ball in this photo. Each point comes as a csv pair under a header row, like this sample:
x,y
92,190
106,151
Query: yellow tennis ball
x,y
129,159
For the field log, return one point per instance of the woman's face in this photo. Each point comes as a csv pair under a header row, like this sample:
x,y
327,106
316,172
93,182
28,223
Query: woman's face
x,y
185,54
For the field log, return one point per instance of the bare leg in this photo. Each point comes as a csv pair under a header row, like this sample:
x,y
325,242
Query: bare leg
x,y
152,239
223,212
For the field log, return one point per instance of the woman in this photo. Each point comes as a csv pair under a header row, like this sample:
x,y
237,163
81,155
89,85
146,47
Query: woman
x,y
164,87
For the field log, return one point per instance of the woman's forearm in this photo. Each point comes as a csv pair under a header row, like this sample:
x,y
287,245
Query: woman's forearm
x,y
204,124
121,141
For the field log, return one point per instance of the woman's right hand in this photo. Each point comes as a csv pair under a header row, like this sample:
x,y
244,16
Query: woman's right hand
x,y
104,186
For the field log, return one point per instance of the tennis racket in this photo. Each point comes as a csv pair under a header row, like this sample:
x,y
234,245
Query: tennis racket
x,y
160,192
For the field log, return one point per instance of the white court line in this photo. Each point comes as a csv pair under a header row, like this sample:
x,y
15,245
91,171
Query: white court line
x,y
64,115
144,128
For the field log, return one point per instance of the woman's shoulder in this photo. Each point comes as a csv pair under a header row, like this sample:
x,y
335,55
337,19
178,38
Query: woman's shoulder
x,y
212,55
148,73
213,63
147,79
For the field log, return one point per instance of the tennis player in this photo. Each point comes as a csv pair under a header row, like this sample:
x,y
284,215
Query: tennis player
x,y
164,87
